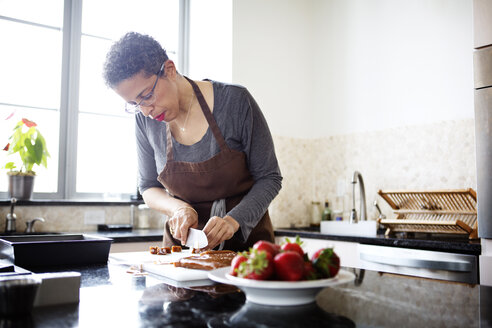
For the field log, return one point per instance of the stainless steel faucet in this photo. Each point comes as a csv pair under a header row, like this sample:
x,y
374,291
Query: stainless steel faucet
x,y
11,217
381,215
30,225
357,177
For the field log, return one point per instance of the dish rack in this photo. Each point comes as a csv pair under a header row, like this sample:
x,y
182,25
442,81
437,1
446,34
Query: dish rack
x,y
439,211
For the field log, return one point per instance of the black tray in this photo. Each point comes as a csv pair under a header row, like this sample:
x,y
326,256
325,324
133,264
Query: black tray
x,y
55,250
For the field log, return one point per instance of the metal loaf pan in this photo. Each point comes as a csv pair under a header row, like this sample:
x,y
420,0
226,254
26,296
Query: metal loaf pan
x,y
55,250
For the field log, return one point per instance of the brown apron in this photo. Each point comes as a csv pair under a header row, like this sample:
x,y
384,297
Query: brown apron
x,y
226,175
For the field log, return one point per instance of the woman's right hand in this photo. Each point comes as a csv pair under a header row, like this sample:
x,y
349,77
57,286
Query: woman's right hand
x,y
184,218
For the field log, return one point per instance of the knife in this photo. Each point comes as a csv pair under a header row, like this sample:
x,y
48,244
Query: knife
x,y
196,239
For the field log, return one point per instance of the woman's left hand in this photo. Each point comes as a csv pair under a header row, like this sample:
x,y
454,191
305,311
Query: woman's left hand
x,y
220,229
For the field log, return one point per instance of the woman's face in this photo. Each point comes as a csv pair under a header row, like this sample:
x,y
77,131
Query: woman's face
x,y
165,105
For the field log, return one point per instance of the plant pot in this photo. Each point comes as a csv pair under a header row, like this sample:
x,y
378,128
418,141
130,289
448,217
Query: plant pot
x,y
21,186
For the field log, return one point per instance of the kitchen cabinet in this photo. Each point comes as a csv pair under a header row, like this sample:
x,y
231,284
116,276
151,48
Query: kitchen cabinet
x,y
133,247
482,23
482,18
483,137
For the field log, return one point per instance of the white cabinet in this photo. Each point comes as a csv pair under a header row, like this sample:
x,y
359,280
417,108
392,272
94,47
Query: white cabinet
x,y
133,247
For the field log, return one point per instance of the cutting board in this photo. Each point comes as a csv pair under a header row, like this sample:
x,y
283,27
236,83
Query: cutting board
x,y
159,265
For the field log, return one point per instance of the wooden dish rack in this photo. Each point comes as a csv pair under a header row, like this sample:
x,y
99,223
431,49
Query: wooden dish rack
x,y
440,211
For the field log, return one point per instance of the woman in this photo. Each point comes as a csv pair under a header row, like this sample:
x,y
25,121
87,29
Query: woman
x,y
205,153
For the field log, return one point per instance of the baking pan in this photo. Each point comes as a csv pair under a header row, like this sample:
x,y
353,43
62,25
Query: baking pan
x,y
55,250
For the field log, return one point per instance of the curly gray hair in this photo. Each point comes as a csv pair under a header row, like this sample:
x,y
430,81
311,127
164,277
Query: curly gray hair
x,y
132,54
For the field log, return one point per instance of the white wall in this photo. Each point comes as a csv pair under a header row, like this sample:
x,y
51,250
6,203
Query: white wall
x,y
328,67
272,55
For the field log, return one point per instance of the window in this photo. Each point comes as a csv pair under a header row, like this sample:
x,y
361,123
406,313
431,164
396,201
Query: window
x,y
103,125
30,76
52,74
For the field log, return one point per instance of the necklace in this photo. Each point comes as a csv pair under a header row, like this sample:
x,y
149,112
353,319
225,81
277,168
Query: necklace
x,y
183,129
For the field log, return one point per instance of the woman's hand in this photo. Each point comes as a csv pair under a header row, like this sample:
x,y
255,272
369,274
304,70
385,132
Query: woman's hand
x,y
220,229
184,218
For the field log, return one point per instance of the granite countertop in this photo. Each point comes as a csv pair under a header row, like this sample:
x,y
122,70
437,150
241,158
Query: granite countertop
x,y
416,241
112,297
133,236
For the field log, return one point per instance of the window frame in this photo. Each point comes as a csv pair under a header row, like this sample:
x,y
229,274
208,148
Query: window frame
x,y
69,97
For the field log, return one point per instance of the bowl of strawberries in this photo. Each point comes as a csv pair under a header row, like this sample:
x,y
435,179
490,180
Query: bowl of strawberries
x,y
282,275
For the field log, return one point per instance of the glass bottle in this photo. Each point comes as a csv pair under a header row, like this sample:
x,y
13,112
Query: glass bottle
x,y
326,216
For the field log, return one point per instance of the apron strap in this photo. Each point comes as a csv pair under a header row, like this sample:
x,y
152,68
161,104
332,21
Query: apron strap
x,y
208,115
169,144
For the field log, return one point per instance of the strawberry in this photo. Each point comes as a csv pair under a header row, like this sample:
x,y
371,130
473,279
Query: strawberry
x,y
310,272
263,245
236,261
289,266
326,262
259,266
293,246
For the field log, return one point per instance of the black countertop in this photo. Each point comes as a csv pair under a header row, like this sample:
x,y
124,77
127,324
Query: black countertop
x,y
442,243
111,297
133,236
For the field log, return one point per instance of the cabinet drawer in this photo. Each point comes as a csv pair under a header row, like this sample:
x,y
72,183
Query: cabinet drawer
x,y
482,67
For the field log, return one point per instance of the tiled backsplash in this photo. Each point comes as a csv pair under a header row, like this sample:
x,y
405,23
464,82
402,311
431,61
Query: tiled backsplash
x,y
425,157
72,218
434,156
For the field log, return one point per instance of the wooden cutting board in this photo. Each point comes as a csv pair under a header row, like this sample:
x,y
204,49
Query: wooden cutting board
x,y
160,265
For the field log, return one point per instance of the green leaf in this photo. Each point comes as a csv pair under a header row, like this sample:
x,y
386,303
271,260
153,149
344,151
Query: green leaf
x,y
38,150
10,165
44,162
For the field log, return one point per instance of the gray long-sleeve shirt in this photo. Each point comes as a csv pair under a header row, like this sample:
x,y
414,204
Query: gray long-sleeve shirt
x,y
244,129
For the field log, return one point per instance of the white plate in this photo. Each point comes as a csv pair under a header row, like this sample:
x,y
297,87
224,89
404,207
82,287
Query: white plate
x,y
280,293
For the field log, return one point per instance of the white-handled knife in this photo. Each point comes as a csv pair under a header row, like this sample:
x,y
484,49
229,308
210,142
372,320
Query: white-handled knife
x,y
196,239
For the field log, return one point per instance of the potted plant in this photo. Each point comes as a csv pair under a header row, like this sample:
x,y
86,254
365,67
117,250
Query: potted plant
x,y
30,145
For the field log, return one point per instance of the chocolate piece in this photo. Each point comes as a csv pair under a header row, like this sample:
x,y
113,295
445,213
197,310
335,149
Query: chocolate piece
x,y
176,249
208,260
154,249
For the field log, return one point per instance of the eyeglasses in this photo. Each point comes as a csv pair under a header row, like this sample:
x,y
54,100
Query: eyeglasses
x,y
132,107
